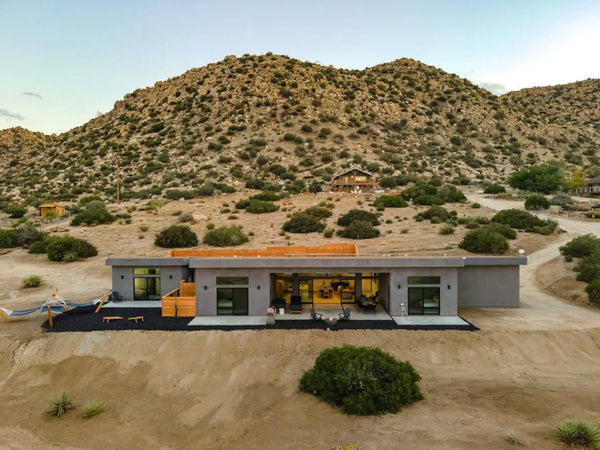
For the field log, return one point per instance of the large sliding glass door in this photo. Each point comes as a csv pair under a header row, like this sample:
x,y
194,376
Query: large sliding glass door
x,y
423,300
146,283
232,301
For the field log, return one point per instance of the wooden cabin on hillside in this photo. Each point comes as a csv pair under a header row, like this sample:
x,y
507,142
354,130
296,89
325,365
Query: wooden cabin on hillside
x,y
57,209
592,187
353,179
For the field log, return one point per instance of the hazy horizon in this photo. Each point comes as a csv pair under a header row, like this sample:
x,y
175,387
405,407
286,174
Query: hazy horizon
x,y
67,61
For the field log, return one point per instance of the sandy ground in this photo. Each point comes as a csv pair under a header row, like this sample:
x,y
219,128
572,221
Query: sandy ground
x,y
526,370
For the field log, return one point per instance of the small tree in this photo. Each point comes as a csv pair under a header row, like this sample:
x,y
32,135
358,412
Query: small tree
x,y
390,201
484,240
541,178
261,207
357,214
359,229
494,189
95,213
581,246
68,248
176,236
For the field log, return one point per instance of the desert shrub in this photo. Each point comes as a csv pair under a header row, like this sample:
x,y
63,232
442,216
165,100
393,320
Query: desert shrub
x,y
94,213
92,409
318,211
494,189
176,194
254,183
428,199
183,217
390,201
503,229
436,211
588,269
536,201
447,229
206,190
68,248
593,290
39,247
303,223
541,178
32,281
563,200
15,211
578,434
359,229
242,204
515,218
581,246
328,233
260,207
450,194
357,214
176,236
362,380
484,240
225,237
315,187
61,405
267,196
9,238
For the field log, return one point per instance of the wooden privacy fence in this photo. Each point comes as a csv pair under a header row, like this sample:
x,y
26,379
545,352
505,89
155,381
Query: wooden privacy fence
x,y
180,302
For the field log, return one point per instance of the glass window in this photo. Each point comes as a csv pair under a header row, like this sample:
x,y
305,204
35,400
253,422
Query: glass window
x,y
146,271
228,281
423,280
146,288
232,301
423,301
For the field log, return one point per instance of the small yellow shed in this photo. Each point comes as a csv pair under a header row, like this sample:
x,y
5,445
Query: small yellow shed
x,y
57,209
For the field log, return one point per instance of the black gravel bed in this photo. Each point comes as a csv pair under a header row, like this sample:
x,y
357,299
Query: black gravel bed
x,y
84,319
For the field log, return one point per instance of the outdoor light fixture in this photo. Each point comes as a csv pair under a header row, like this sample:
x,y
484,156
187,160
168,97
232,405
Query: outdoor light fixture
x,y
448,286
122,277
399,286
170,277
258,287
205,287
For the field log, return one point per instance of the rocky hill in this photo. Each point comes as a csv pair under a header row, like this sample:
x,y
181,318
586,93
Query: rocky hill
x,y
273,118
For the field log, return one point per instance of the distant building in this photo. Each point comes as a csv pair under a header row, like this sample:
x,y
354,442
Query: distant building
x,y
57,209
353,179
592,187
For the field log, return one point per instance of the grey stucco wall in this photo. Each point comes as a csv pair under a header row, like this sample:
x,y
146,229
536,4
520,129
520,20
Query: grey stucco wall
x,y
448,288
259,290
488,287
122,280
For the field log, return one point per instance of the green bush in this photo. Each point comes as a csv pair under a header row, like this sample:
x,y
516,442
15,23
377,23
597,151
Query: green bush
x,y
206,190
362,380
427,200
68,248
176,194
176,236
588,269
32,281
564,201
359,229
95,213
39,247
436,211
581,246
328,233
357,214
243,204
261,207
61,405
541,178
225,237
266,196
536,202
9,238
503,229
494,189
318,211
578,434
447,229
593,290
484,240
522,220
315,187
15,211
450,194
303,223
390,201
24,234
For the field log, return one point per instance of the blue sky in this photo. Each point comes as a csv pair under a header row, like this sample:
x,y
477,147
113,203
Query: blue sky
x,y
61,62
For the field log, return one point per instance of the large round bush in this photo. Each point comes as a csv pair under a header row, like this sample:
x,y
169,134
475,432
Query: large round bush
x,y
176,236
95,213
261,207
494,189
303,223
516,218
581,246
318,211
484,240
390,201
68,248
536,201
436,211
362,380
359,229
588,269
225,237
593,290
357,214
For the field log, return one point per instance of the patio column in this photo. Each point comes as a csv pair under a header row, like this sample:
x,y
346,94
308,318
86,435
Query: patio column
x,y
357,286
295,284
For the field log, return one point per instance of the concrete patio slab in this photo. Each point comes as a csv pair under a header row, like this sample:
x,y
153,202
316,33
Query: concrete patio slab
x,y
133,304
429,321
217,321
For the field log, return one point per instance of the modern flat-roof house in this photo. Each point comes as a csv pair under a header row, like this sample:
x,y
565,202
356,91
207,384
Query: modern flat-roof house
x,y
353,179
245,282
